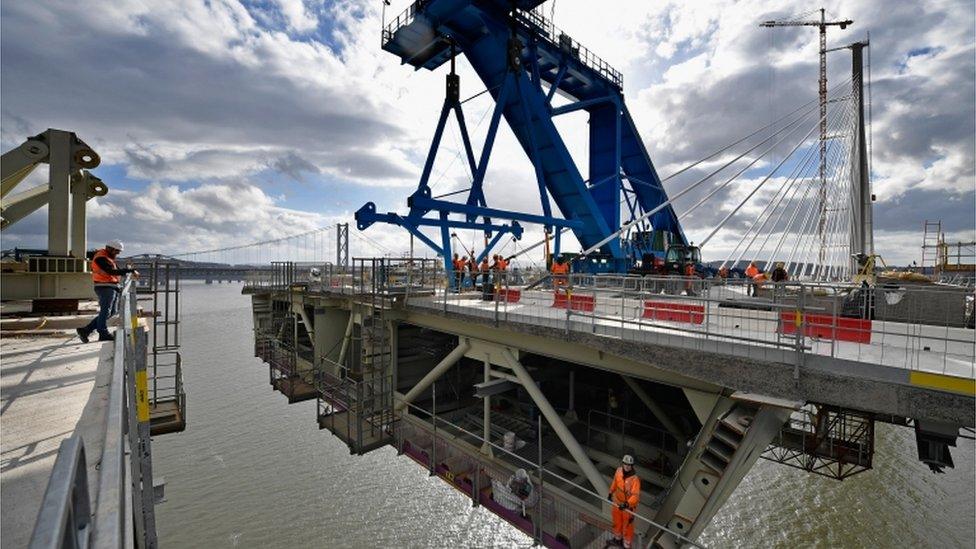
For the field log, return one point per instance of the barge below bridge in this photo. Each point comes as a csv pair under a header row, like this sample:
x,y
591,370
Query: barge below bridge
x,y
694,378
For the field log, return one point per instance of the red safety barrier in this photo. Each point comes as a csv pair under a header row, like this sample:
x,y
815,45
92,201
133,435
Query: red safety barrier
x,y
673,311
856,330
576,302
511,295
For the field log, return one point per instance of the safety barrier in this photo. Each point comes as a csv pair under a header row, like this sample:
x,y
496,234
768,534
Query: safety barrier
x,y
674,312
508,295
856,330
574,301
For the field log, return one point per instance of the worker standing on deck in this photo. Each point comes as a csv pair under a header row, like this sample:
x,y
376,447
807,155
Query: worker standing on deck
x,y
560,273
458,265
485,269
690,276
751,273
779,273
624,495
779,276
106,277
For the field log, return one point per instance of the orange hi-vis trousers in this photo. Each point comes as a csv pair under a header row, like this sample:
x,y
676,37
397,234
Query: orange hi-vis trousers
x,y
623,525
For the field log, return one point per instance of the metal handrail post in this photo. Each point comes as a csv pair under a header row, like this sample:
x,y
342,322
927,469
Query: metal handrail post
x,y
538,518
432,458
800,322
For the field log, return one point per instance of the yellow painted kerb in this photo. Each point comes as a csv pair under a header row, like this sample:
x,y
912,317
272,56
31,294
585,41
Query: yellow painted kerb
x,y
943,382
142,397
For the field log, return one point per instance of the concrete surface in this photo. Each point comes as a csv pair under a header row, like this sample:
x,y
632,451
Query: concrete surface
x,y
49,388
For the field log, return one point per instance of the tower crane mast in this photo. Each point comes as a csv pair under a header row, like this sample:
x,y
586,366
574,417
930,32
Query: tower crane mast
x,y
822,25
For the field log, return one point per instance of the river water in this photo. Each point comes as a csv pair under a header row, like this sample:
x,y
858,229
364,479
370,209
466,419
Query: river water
x,y
253,471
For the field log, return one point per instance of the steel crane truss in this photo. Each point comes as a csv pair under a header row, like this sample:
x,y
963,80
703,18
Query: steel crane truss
x,y
514,54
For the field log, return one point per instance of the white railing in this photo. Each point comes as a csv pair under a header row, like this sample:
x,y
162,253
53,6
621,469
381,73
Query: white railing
x,y
909,326
125,494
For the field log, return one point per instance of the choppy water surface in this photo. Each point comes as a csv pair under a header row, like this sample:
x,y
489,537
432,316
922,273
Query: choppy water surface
x,y
253,471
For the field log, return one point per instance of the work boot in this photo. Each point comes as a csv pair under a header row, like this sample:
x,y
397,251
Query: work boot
x,y
82,335
106,337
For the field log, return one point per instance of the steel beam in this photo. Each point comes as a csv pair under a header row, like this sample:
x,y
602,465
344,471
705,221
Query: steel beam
x,y
346,338
658,412
585,104
444,365
58,192
18,163
486,412
300,309
579,454
23,204
426,203
79,215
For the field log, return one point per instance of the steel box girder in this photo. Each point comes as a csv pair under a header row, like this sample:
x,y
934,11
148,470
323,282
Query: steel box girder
x,y
422,201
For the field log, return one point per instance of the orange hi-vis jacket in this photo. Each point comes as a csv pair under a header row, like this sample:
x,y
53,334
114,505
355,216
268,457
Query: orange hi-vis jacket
x,y
484,265
625,489
560,269
99,276
458,264
752,271
502,264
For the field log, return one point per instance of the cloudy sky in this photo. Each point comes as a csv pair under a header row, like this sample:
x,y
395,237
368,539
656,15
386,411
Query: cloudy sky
x,y
226,122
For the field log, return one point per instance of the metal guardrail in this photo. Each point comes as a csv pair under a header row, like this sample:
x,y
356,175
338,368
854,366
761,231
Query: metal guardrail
x,y
386,276
535,23
913,327
66,507
910,326
160,284
125,513
444,433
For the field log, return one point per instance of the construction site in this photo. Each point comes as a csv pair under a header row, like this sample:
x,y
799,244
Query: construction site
x,y
529,390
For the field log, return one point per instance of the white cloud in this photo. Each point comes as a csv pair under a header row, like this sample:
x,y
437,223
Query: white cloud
x,y
219,92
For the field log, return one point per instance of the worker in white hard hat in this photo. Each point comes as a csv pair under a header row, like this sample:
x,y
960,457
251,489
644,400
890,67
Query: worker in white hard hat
x,y
106,276
624,495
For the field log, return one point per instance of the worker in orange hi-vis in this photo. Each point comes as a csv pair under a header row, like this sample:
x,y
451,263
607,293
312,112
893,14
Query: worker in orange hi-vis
x,y
560,273
757,282
458,265
751,272
624,495
690,274
485,269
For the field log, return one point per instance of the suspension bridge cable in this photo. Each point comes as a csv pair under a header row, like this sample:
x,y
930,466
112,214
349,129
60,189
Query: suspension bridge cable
x,y
767,126
809,156
763,182
843,120
251,244
746,234
750,164
808,238
830,264
369,241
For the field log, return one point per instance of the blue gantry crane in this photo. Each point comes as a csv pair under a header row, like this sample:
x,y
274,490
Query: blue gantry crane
x,y
523,62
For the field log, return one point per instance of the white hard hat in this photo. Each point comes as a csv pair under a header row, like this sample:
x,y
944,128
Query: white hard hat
x,y
628,459
115,244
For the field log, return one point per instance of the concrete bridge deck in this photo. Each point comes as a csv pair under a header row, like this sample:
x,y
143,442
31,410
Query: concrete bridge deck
x,y
895,369
51,388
